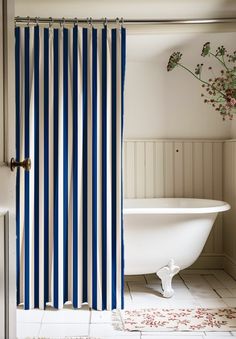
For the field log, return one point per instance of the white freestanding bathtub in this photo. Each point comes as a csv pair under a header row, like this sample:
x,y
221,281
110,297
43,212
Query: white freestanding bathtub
x,y
165,235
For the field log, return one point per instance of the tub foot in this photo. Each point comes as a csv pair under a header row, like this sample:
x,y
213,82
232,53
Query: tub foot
x,y
166,274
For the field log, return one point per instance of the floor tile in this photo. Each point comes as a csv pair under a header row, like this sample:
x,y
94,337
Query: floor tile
x,y
135,278
171,336
213,281
108,330
66,316
224,293
60,330
137,336
29,316
26,330
231,302
218,335
233,291
211,303
102,317
203,293
225,279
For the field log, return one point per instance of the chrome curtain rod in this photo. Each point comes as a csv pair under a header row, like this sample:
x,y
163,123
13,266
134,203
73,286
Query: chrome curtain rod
x,y
38,20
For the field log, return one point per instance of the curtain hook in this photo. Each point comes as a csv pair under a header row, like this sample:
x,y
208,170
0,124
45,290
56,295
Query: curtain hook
x,y
122,22
37,20
50,22
105,22
62,22
16,18
28,20
76,21
91,22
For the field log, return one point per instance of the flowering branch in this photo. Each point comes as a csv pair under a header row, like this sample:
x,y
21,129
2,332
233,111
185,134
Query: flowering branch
x,y
222,89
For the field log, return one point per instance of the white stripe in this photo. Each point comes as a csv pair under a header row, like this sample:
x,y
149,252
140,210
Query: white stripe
x,y
31,173
60,172
51,164
22,156
118,169
80,170
70,167
41,170
109,176
99,170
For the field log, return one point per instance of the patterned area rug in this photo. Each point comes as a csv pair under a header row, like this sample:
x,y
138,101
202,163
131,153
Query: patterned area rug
x,y
199,319
61,338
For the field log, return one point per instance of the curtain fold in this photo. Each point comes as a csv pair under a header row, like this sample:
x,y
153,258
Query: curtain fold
x,y
69,121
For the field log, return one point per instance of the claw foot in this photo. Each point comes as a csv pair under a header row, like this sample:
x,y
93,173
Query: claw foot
x,y
166,274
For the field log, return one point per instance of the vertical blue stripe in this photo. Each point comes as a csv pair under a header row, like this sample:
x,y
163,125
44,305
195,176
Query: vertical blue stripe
x,y
36,167
46,165
75,166
17,72
94,168
123,61
85,160
114,162
27,182
104,168
65,162
55,161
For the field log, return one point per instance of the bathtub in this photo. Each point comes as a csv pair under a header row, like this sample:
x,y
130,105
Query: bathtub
x,y
166,235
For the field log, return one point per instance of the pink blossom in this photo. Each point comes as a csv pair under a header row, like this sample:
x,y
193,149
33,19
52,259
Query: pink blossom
x,y
232,101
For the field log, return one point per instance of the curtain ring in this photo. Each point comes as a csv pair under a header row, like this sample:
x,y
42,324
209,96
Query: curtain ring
x,y
91,22
105,22
122,22
15,20
50,22
76,22
28,20
37,20
62,22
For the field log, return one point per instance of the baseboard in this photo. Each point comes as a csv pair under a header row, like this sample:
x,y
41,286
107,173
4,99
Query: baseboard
x,y
230,265
209,261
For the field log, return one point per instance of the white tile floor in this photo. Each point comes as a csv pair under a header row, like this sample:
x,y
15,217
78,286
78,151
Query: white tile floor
x,y
212,288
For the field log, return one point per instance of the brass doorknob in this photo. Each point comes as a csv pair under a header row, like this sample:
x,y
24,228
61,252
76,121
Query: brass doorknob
x,y
26,164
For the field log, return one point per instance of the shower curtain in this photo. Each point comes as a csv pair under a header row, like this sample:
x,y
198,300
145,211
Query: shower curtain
x,y
69,121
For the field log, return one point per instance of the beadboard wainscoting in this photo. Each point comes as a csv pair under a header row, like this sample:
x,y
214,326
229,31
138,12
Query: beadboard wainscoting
x,y
229,195
178,168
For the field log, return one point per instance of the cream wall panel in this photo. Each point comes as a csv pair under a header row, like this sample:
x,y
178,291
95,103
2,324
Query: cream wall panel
x,y
176,168
129,169
188,169
150,169
229,194
140,167
198,170
168,169
159,182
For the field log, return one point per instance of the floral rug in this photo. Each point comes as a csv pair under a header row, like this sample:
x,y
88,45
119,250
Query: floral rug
x,y
199,319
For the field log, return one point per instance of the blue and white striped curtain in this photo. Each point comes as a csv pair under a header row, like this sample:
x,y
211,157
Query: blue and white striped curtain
x,y
69,121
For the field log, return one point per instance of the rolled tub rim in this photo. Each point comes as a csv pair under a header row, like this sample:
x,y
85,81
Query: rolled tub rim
x,y
216,206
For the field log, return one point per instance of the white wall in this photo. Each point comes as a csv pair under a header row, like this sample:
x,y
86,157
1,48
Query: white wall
x,y
126,8
161,104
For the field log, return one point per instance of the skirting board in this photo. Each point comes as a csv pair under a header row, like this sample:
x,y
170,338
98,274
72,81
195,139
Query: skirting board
x,y
209,261
230,265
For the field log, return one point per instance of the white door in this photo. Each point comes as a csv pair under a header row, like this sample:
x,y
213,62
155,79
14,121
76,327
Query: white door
x,y
7,178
